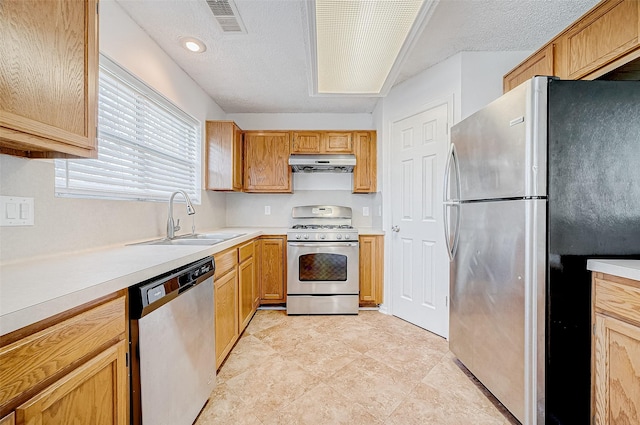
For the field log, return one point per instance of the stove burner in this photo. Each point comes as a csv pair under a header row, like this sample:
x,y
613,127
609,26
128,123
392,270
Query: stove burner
x,y
321,226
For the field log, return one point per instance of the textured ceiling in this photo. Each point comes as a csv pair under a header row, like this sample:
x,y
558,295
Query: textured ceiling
x,y
267,69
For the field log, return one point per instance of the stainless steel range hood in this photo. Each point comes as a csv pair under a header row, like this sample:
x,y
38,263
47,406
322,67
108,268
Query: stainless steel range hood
x,y
322,163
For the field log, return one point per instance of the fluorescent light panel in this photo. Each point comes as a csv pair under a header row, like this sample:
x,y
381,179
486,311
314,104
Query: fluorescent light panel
x,y
358,42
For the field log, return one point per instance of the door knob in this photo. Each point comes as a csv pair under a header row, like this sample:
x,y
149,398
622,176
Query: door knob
x,y
395,229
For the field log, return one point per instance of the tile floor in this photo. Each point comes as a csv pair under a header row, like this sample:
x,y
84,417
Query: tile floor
x,y
366,369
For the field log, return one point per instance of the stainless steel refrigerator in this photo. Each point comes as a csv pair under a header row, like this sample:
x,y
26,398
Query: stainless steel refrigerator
x,y
537,182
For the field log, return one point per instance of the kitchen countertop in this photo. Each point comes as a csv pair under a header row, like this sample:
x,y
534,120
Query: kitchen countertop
x,y
623,268
35,289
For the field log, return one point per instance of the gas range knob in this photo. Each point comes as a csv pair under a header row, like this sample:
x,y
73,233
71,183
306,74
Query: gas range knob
x,y
338,236
322,236
305,236
347,236
298,236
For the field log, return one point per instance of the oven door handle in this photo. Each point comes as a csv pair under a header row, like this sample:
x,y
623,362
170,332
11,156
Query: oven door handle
x,y
323,244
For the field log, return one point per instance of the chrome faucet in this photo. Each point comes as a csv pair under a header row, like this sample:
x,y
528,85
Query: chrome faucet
x,y
171,226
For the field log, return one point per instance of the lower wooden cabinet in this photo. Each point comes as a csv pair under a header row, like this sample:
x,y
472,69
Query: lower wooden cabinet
x,y
248,287
68,369
616,350
371,269
226,307
9,419
272,269
94,393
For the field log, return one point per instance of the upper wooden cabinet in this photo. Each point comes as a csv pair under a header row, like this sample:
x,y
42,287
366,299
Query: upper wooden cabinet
x,y
540,63
604,34
224,165
266,162
365,171
48,78
605,38
317,142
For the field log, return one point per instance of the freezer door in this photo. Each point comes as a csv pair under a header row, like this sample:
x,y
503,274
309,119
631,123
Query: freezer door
x,y
501,149
497,301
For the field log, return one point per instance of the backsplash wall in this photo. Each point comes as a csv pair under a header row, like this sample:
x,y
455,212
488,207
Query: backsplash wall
x,y
248,208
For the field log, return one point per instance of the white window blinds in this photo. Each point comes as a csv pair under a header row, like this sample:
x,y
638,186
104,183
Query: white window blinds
x,y
147,147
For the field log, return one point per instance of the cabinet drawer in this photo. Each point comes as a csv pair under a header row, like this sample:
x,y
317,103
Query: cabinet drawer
x,y
31,360
246,251
618,298
225,262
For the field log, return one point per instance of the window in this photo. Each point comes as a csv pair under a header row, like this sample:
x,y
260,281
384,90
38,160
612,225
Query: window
x,y
147,147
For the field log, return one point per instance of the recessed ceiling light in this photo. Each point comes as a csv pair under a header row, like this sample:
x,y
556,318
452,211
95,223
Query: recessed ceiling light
x,y
358,45
193,44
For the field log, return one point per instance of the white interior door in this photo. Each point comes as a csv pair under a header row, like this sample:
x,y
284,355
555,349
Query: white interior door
x,y
420,265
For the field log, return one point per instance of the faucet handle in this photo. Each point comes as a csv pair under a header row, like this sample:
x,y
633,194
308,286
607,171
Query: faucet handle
x,y
177,226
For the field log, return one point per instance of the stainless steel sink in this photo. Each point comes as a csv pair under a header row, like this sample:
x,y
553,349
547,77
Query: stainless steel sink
x,y
194,239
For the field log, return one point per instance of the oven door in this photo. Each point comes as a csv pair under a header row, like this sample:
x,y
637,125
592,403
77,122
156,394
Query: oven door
x,y
321,268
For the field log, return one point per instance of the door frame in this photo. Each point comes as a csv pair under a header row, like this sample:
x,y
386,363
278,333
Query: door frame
x,y
387,213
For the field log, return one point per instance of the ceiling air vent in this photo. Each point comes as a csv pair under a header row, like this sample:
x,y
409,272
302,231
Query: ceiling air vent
x,y
226,13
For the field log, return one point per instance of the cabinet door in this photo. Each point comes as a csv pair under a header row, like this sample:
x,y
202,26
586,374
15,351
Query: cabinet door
x,y
95,393
48,77
337,142
246,283
306,142
371,269
10,419
224,156
610,31
267,162
540,63
273,270
617,372
226,314
365,171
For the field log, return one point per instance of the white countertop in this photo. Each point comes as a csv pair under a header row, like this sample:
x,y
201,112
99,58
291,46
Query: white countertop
x,y
623,268
33,290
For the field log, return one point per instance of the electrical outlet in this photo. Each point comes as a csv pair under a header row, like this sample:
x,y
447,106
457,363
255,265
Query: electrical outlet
x,y
267,210
365,211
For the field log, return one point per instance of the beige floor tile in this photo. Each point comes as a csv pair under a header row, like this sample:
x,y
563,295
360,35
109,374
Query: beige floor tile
x,y
322,406
374,385
366,369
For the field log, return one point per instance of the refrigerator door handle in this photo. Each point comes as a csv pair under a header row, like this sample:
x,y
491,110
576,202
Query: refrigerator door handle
x,y
453,203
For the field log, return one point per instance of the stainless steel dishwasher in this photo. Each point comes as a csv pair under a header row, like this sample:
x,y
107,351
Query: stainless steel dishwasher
x,y
172,338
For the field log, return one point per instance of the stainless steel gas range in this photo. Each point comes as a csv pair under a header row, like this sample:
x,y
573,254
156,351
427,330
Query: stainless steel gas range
x,y
322,265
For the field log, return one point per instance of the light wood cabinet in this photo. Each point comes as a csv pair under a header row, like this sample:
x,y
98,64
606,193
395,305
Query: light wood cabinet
x,y
321,142
540,63
337,142
365,171
266,162
48,78
94,393
615,350
225,303
371,269
604,34
248,287
273,269
603,39
8,420
224,151
69,369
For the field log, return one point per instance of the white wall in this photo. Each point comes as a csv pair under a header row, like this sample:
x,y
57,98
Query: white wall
x,y
469,79
63,224
309,189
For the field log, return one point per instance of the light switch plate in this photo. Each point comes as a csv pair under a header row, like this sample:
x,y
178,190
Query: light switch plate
x,y
16,211
267,210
